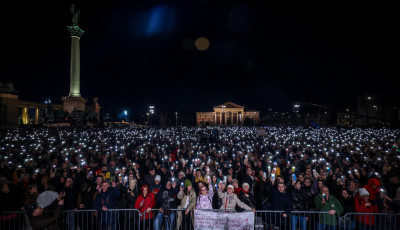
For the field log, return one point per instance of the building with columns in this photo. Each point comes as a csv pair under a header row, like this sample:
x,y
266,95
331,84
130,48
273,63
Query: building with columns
x,y
228,114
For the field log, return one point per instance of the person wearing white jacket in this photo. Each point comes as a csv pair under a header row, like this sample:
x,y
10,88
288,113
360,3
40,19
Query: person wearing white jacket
x,y
230,200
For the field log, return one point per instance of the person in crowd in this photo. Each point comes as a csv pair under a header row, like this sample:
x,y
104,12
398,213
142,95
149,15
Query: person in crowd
x,y
45,185
85,202
247,197
144,203
31,194
10,200
149,178
230,200
205,198
280,202
347,202
300,203
105,201
373,188
187,195
236,187
363,204
71,202
327,203
166,200
46,218
156,186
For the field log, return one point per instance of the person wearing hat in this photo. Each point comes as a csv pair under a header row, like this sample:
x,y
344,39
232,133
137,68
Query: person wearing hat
x,y
45,218
151,176
230,200
155,187
187,195
363,204
246,196
165,202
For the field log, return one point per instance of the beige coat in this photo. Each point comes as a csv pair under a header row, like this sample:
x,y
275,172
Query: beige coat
x,y
231,200
192,203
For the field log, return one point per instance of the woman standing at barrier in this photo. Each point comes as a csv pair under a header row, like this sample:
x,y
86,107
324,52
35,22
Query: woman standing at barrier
x,y
205,199
230,200
144,203
246,196
187,195
364,204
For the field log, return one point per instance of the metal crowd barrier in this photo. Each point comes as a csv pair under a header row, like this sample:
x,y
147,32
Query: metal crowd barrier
x,y
127,219
371,221
14,220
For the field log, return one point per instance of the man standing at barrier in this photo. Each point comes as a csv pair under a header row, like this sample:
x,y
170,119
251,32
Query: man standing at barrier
x,y
166,201
327,203
105,200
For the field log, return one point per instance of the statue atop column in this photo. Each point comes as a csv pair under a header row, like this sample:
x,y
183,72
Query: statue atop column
x,y
75,15
74,30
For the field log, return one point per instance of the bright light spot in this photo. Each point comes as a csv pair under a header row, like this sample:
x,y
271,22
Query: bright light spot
x,y
202,43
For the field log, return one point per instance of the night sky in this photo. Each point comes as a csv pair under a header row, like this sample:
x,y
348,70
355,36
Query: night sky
x,y
137,53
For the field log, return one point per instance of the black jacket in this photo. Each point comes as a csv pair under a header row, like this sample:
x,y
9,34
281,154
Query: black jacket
x,y
299,198
347,204
49,219
247,198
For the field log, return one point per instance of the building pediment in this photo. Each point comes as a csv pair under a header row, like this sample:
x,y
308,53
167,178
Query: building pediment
x,y
230,105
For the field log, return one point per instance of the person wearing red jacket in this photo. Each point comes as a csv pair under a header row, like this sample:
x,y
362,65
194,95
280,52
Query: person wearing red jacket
x,y
373,188
144,203
363,204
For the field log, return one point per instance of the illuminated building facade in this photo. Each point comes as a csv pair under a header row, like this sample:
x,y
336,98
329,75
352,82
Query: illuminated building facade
x,y
228,114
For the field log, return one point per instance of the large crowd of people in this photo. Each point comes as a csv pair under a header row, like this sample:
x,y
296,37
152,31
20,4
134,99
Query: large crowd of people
x,y
288,169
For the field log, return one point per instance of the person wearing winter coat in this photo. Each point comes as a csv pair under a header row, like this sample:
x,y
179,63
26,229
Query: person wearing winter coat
x,y
280,202
205,199
347,202
363,204
166,200
246,196
300,202
373,188
327,203
230,200
144,203
105,201
46,218
85,202
187,195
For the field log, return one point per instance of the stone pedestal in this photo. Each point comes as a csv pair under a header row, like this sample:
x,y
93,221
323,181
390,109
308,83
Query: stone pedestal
x,y
72,103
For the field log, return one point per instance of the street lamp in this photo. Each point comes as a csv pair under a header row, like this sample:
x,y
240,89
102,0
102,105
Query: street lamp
x,y
176,119
368,102
148,119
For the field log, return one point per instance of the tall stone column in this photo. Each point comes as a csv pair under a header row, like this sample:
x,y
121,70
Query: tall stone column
x,y
74,101
75,75
25,116
36,116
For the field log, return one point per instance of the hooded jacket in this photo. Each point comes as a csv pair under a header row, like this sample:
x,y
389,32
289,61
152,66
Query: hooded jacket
x,y
373,191
144,202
